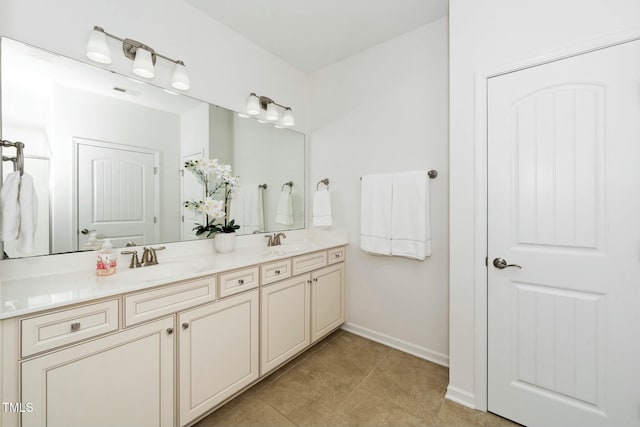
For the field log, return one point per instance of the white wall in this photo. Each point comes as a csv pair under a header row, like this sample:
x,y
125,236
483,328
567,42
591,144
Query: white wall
x,y
223,66
487,35
385,110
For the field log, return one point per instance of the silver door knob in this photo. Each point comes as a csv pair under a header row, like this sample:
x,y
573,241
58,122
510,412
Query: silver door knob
x,y
502,263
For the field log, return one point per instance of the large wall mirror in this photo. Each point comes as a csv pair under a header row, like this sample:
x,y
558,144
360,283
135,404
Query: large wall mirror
x,y
106,153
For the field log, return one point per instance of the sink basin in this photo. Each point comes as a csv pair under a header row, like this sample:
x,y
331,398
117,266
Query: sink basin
x,y
166,270
288,248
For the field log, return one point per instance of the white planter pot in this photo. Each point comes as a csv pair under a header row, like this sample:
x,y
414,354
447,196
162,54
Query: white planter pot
x,y
225,242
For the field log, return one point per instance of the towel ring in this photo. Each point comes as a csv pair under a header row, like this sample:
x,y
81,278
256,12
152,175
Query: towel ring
x,y
288,183
323,181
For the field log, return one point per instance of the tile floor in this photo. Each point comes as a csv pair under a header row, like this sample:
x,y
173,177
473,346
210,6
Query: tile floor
x,y
347,380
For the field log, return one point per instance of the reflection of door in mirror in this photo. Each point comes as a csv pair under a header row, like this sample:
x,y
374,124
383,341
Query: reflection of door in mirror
x,y
117,192
38,168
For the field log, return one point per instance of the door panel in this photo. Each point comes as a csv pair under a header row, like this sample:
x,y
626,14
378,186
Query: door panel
x,y
117,192
564,204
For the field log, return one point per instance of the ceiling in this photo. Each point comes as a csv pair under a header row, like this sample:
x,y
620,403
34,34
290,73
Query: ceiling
x,y
310,35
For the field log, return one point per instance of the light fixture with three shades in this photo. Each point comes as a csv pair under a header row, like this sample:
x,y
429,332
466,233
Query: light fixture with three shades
x,y
143,56
256,104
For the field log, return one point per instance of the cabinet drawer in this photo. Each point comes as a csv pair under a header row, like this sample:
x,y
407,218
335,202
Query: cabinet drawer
x,y
336,255
305,263
149,305
238,281
274,271
68,326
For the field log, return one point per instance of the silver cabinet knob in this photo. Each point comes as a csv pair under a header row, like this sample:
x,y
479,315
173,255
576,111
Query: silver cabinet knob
x,y
75,326
169,331
185,325
277,271
241,282
501,263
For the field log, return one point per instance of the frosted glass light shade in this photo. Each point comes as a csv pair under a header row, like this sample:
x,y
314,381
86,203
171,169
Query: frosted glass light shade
x,y
180,78
97,48
143,64
253,105
287,118
272,112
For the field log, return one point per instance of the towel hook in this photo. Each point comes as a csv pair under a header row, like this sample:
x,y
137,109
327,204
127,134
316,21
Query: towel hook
x,y
288,183
323,181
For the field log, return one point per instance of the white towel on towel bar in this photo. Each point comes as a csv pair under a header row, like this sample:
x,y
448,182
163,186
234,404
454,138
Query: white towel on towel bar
x,y
284,215
375,214
19,209
247,209
410,222
322,216
28,215
10,207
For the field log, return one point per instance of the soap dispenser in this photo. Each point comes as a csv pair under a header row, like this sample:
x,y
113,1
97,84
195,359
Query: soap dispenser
x,y
92,242
106,264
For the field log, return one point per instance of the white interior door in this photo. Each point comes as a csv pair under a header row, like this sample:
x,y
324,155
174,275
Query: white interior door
x,y
117,192
564,204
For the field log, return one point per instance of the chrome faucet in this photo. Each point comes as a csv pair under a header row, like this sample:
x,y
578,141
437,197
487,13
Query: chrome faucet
x,y
149,256
274,240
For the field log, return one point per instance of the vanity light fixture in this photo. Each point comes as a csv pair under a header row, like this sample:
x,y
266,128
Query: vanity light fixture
x,y
144,57
256,104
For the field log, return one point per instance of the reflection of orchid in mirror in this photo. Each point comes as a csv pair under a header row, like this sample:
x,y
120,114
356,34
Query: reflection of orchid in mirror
x,y
217,180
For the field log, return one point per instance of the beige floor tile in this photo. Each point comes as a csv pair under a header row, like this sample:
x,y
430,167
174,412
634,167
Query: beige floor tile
x,y
413,384
248,412
453,415
364,409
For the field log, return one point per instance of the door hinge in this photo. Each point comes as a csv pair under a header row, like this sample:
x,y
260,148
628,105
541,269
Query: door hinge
x,y
155,219
182,218
486,261
155,171
181,172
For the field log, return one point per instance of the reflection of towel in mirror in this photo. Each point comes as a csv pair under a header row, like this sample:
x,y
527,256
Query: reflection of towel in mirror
x,y
284,215
322,209
247,209
19,207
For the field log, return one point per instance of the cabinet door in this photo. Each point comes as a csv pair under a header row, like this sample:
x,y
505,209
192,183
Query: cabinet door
x,y
285,320
124,379
218,353
327,299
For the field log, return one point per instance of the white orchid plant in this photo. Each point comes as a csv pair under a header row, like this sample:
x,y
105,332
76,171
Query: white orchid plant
x,y
217,180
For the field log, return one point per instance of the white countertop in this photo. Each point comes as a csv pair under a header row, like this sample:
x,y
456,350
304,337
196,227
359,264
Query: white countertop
x,y
45,283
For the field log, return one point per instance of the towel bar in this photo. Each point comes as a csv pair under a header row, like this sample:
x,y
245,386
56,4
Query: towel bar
x,y
263,186
323,181
18,160
432,174
289,184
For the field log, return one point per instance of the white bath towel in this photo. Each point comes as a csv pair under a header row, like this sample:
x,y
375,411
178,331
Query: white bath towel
x,y
19,206
375,214
410,222
10,207
247,209
284,215
322,216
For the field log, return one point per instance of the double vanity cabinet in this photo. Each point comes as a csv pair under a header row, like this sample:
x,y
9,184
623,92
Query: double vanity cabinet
x,y
168,355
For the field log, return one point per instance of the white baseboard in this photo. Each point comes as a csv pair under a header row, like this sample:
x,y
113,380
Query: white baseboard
x,y
462,397
421,352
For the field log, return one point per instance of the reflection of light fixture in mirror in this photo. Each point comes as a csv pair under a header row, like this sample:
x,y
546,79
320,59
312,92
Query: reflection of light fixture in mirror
x,y
256,104
144,58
